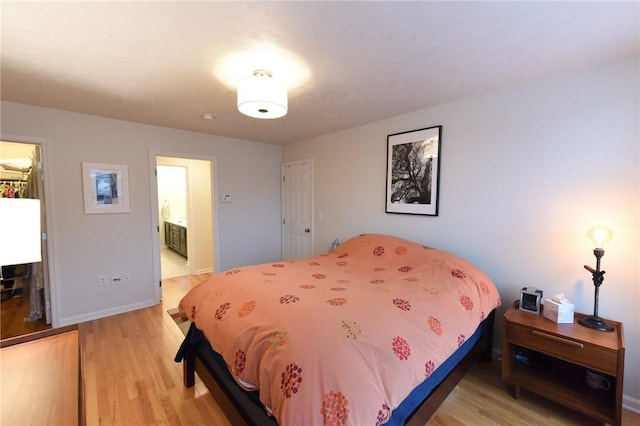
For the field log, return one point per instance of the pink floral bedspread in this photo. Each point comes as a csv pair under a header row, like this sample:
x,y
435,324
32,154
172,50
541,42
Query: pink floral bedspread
x,y
342,338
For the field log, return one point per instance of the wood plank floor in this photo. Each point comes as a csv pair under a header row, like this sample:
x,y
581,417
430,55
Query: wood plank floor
x,y
130,378
13,311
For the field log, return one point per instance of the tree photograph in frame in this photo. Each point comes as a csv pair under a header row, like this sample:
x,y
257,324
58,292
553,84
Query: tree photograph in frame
x,y
413,171
105,187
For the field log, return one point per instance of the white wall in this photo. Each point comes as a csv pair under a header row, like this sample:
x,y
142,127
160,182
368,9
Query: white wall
x,y
525,172
172,192
86,246
16,150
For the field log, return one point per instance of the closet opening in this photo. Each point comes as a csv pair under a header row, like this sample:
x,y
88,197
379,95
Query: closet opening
x,y
25,305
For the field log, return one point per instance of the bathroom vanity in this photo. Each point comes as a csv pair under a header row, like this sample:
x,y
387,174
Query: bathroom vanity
x,y
175,236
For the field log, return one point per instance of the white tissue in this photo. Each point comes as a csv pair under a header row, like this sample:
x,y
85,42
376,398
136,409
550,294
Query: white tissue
x,y
561,299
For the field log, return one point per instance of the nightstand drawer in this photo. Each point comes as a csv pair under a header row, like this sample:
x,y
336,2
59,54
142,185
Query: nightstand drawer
x,y
562,347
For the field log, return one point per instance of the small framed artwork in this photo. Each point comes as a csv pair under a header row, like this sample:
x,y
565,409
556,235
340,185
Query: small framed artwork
x,y
105,187
413,171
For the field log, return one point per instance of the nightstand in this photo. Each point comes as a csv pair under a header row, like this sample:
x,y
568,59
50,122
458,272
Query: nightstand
x,y
552,360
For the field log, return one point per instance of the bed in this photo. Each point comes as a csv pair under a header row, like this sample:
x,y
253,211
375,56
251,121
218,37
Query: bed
x,y
376,332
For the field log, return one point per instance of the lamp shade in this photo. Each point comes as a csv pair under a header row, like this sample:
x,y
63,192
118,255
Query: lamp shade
x,y
262,96
21,239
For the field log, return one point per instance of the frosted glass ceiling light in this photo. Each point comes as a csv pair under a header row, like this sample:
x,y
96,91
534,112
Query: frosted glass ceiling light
x,y
262,96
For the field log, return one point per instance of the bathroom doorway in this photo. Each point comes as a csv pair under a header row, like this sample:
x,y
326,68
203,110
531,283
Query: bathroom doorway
x,y
172,201
185,190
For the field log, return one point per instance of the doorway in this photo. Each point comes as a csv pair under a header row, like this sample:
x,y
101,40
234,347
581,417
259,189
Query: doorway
x,y
172,202
185,211
26,299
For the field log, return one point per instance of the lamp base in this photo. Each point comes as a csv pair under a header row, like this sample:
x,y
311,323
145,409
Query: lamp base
x,y
595,323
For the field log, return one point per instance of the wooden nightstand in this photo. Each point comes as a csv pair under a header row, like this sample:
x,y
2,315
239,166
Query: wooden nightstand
x,y
552,359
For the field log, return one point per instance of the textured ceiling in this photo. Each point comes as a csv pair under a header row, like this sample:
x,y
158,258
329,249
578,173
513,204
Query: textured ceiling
x,y
355,62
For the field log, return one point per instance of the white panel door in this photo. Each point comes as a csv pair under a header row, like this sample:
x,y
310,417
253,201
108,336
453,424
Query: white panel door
x,y
297,210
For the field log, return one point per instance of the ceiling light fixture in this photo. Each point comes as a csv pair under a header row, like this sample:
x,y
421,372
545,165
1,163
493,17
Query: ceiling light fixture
x,y
262,96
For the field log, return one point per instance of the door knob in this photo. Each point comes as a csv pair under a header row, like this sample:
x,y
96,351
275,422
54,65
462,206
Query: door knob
x,y
307,230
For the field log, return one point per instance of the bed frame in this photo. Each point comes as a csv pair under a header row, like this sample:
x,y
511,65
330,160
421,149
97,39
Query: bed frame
x,y
243,408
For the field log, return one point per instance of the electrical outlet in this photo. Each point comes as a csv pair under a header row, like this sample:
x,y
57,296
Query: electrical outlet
x,y
126,278
116,279
102,280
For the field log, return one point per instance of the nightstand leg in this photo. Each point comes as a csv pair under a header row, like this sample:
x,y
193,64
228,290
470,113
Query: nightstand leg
x,y
515,391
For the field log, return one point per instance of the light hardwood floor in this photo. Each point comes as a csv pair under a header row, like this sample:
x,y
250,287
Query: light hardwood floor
x,y
12,314
130,378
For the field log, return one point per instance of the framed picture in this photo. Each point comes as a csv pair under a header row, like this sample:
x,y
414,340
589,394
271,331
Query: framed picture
x,y
105,187
413,171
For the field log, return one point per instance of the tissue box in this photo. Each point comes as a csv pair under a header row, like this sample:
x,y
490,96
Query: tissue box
x,y
561,313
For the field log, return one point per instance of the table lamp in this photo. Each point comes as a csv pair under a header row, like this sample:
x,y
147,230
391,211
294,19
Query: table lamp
x,y
599,235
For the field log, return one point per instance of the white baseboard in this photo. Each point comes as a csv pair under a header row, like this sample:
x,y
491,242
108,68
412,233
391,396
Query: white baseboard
x,y
203,271
631,404
106,313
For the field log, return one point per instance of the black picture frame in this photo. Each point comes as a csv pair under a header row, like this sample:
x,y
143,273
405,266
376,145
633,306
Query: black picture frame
x,y
413,171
